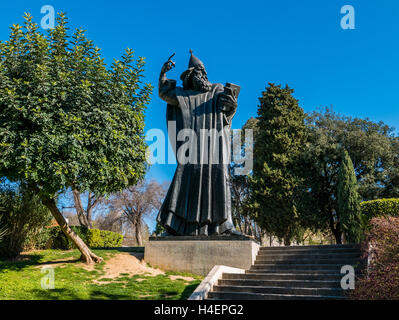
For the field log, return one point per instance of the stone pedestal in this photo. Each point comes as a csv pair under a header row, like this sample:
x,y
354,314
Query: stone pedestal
x,y
199,255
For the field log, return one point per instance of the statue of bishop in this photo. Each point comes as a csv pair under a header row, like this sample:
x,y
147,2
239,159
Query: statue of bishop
x,y
198,202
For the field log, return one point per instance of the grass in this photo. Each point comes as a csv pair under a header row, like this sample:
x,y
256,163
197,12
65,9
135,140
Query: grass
x,y
21,280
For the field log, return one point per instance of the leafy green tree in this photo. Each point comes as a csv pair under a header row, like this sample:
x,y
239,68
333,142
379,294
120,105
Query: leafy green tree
x,y
243,218
348,200
22,217
244,213
66,121
159,229
373,149
276,182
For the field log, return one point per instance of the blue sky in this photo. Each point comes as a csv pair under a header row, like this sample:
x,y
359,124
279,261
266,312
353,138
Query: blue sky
x,y
250,43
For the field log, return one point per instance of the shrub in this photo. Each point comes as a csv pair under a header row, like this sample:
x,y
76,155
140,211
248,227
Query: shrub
x,y
382,281
58,239
94,238
103,239
37,240
159,229
23,216
380,207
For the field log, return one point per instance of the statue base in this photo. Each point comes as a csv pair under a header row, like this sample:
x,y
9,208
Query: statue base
x,y
199,254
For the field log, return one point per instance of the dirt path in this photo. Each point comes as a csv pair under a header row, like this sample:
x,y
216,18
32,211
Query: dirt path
x,y
121,264
128,264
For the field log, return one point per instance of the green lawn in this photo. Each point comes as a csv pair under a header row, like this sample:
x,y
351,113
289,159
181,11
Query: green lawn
x,y
22,280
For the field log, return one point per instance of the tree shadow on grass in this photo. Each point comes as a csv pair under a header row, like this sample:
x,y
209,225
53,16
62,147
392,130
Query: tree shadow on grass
x,y
55,294
68,294
167,294
58,262
24,261
176,295
101,295
21,262
188,291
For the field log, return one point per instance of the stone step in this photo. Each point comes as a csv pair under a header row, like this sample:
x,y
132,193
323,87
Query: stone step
x,y
291,273
282,283
332,268
305,256
263,296
281,290
282,276
294,271
313,247
342,262
297,250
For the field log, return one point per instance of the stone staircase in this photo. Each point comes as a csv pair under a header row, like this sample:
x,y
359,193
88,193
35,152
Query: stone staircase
x,y
291,273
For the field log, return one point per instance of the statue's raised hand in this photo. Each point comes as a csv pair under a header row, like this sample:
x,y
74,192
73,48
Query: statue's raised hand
x,y
168,65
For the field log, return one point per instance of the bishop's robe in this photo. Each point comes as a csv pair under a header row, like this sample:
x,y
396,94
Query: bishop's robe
x,y
198,201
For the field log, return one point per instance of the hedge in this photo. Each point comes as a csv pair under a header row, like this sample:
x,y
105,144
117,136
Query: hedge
x,y
94,238
382,281
379,208
103,239
58,240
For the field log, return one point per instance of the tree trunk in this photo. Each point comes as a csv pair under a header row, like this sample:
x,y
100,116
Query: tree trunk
x,y
79,208
88,218
87,256
91,203
338,236
138,234
287,241
336,230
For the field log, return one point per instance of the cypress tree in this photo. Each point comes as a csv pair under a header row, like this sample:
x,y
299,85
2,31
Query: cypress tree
x,y
276,179
348,200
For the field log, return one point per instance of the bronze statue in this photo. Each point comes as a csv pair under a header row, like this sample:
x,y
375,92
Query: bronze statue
x,y
198,201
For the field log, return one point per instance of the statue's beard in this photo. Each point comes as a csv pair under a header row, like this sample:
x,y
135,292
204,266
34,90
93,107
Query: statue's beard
x,y
201,83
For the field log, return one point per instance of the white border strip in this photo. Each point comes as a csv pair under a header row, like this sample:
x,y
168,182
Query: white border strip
x,y
211,279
